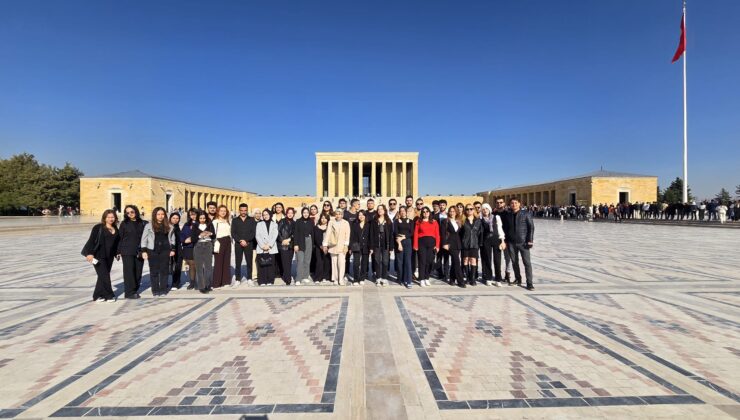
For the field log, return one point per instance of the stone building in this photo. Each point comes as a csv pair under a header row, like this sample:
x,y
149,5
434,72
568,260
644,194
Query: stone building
x,y
338,175
148,191
597,187
363,174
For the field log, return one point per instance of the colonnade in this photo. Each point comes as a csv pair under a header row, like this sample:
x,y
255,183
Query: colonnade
x,y
357,175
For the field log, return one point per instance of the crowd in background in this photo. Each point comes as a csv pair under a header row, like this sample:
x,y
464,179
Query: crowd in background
x,y
707,211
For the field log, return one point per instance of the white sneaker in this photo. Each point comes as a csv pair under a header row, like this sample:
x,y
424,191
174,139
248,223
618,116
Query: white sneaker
x,y
296,283
111,300
488,282
498,284
306,281
378,282
100,300
236,283
362,282
385,282
250,283
422,283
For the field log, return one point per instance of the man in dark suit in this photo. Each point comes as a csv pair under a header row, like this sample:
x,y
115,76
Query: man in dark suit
x,y
519,240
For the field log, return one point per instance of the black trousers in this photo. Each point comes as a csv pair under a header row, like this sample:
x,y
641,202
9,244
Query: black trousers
x,y
103,287
514,251
159,266
359,266
239,253
442,263
456,268
381,260
176,269
286,262
322,271
132,267
486,260
426,256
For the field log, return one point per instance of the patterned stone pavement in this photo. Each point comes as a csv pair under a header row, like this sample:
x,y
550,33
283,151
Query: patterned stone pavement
x,y
627,321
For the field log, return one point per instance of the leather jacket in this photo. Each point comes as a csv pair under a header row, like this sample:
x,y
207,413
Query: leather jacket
x,y
286,228
472,234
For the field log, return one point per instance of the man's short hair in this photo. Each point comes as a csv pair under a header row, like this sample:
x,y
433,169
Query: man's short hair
x,y
410,196
342,200
369,200
514,199
354,200
243,205
442,201
211,203
435,202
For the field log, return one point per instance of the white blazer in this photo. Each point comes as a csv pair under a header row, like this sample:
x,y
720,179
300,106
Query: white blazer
x,y
265,238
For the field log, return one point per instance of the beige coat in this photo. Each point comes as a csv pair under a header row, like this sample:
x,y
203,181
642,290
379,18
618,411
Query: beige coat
x,y
337,236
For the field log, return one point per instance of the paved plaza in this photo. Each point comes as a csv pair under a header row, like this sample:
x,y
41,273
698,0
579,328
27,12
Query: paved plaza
x,y
627,321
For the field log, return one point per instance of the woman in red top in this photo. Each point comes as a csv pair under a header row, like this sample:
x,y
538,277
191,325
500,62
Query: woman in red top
x,y
426,244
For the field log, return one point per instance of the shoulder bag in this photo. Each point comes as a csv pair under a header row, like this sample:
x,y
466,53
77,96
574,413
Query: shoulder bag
x,y
216,243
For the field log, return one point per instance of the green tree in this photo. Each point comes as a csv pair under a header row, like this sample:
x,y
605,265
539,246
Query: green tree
x,y
674,192
723,196
27,186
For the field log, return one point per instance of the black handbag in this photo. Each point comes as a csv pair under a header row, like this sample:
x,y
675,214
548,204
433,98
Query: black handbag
x,y
355,247
264,259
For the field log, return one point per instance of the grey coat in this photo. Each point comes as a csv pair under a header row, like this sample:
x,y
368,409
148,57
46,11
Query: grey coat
x,y
265,238
147,238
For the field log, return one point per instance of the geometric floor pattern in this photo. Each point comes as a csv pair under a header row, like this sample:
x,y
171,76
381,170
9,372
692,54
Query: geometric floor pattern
x,y
627,321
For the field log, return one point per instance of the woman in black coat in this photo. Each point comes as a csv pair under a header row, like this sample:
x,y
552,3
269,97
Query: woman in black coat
x,y
322,271
359,245
286,231
450,238
381,243
471,237
130,231
99,250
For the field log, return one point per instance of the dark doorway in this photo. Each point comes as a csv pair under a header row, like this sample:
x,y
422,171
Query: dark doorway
x,y
624,197
116,200
572,199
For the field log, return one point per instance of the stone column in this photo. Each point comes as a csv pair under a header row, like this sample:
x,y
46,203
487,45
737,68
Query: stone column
x,y
330,174
394,180
351,184
359,179
415,179
373,180
319,180
404,182
340,175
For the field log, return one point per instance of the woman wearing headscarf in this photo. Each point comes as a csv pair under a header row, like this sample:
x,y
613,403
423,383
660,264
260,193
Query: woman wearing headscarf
x,y
266,236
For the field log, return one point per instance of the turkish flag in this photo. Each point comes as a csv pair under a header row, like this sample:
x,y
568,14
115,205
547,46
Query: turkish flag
x,y
681,43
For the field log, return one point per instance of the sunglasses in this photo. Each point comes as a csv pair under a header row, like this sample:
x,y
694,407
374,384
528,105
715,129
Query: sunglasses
x,y
327,205
469,209
130,212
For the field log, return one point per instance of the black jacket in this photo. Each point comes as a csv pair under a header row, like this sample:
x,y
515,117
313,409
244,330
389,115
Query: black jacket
x,y
243,229
519,227
491,234
318,236
448,235
178,243
130,236
359,235
286,229
303,228
195,235
95,244
383,240
471,234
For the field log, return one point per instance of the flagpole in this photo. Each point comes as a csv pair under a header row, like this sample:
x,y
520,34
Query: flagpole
x,y
685,127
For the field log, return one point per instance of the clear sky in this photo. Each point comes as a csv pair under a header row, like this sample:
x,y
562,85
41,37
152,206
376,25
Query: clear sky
x,y
490,93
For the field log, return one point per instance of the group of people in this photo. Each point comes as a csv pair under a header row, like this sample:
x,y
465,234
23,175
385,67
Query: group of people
x,y
343,245
708,210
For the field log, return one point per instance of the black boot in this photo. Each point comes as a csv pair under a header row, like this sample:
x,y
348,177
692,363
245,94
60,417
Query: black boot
x,y
469,272
475,273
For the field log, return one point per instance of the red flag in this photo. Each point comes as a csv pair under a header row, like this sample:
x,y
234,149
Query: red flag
x,y
681,42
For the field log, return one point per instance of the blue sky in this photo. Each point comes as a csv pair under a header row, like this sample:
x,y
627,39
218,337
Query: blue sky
x,y
491,93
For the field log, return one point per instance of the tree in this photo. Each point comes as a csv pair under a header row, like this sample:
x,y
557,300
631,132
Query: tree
x,y
737,191
27,186
674,192
723,196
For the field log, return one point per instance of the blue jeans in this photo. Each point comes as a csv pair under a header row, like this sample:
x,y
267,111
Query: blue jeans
x,y
404,262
